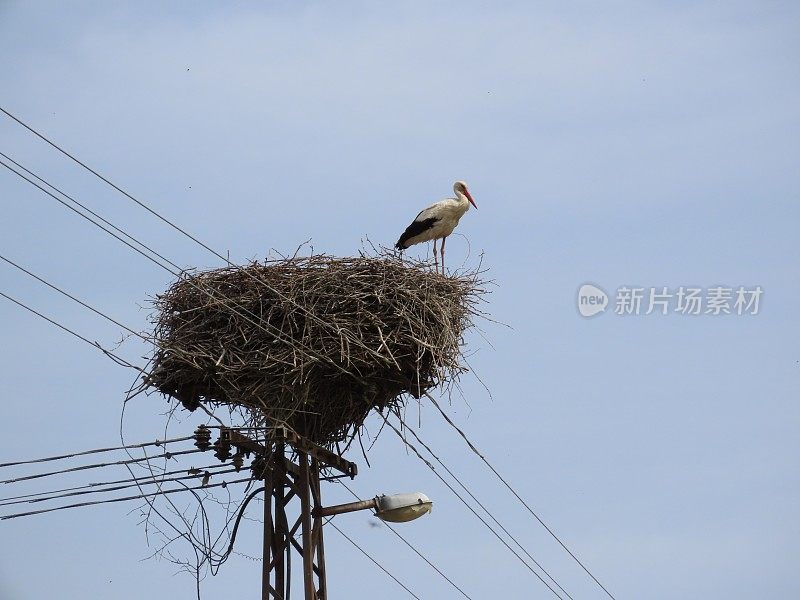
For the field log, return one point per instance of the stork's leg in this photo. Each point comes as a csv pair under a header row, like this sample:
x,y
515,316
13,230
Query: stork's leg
x,y
444,239
435,256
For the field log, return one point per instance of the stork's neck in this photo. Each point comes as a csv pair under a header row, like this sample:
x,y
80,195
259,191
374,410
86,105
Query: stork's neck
x,y
463,201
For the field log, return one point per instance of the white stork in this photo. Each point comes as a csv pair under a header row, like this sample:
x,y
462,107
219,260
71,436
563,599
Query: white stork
x,y
437,221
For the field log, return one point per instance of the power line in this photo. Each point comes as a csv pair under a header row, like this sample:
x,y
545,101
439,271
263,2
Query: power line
x,y
71,297
153,480
82,215
379,565
167,455
244,313
96,451
120,190
143,337
199,470
247,314
513,491
81,205
255,320
486,510
168,222
124,499
472,510
116,358
411,546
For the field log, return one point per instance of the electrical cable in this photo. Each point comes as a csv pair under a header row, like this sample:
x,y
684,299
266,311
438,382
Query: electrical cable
x,y
114,482
379,565
513,491
242,508
472,510
167,455
417,552
246,314
254,320
79,213
120,190
71,297
116,358
96,451
486,510
158,480
83,207
124,499
163,219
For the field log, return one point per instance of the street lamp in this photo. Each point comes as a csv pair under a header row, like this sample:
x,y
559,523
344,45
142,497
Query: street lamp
x,y
397,508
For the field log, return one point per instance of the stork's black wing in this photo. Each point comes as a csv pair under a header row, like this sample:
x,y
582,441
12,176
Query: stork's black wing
x,y
417,226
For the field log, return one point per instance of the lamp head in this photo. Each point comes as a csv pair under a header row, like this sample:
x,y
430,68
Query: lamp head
x,y
400,508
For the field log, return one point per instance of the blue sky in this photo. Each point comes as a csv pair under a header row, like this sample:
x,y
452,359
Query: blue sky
x,y
640,144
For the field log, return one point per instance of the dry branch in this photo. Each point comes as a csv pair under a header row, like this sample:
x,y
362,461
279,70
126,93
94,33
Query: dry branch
x,y
314,343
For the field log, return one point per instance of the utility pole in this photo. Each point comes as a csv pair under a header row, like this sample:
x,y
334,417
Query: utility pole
x,y
284,481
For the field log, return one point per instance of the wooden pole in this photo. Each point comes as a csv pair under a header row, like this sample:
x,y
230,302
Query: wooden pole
x,y
322,591
305,507
301,480
267,549
281,537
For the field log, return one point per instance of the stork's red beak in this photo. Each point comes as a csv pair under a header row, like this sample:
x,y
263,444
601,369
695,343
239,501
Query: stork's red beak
x,y
469,197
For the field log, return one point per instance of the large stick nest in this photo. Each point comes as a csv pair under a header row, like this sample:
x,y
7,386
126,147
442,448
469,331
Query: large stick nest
x,y
313,343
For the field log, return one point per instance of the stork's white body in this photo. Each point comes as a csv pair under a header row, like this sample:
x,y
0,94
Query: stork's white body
x,y
446,214
437,221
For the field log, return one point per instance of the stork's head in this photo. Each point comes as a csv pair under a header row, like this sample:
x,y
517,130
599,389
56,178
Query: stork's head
x,y
460,188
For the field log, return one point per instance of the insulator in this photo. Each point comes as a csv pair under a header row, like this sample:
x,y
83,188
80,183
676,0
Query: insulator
x,y
202,437
222,450
238,461
259,467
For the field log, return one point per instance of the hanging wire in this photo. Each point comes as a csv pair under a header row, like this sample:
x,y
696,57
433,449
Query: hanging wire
x,y
120,190
303,309
411,447
159,480
166,455
486,510
115,357
97,451
513,491
244,313
71,297
197,470
379,565
124,499
411,546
